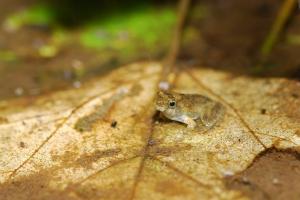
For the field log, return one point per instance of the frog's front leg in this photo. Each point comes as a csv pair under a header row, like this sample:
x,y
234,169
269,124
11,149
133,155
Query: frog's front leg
x,y
189,121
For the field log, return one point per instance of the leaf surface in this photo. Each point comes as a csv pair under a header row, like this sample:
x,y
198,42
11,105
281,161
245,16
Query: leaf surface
x,y
104,141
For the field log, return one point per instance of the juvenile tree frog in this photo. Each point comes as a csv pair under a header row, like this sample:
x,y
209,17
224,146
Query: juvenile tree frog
x,y
191,109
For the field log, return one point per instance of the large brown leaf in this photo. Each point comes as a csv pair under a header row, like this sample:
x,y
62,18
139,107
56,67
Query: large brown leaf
x,y
103,141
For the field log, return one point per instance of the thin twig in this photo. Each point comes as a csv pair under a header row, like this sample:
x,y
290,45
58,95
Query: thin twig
x,y
283,15
172,55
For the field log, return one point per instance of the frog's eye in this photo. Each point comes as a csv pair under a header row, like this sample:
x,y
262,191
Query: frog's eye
x,y
172,104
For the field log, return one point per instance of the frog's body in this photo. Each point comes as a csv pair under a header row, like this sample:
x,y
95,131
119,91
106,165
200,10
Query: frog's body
x,y
189,108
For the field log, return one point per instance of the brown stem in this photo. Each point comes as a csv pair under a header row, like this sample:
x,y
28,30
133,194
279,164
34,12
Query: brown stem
x,y
170,59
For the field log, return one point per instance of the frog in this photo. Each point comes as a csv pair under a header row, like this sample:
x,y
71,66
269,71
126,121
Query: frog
x,y
194,110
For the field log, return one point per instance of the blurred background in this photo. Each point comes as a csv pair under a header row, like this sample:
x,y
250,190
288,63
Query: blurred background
x,y
48,45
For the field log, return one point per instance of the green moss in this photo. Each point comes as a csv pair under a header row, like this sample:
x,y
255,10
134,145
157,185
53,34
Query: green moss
x,y
144,28
117,33
39,14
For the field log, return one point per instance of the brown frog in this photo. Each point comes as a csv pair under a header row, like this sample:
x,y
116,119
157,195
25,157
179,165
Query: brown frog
x,y
191,109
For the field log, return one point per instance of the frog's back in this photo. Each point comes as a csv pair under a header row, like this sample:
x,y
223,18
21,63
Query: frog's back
x,y
194,104
195,100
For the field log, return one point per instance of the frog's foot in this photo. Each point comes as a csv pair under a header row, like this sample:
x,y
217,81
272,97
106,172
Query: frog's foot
x,y
190,122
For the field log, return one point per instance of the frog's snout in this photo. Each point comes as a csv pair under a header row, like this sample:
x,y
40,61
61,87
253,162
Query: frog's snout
x,y
160,108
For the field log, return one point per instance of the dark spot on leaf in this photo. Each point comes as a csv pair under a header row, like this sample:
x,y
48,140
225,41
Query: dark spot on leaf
x,y
22,144
114,124
263,111
296,96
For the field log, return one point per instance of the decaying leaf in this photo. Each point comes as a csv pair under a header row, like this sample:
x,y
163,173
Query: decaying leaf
x,y
104,141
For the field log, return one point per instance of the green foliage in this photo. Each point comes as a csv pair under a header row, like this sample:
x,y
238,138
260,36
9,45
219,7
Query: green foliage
x,y
146,27
39,14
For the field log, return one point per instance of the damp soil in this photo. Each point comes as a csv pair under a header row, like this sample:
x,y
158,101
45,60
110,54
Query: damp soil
x,y
232,32
273,175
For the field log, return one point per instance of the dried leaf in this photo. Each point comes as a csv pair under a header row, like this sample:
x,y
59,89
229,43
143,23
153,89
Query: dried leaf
x,y
102,141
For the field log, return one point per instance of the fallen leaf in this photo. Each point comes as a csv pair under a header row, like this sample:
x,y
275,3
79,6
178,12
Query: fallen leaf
x,y
104,141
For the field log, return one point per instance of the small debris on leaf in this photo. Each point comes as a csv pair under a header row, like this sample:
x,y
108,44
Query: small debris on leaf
x,y
114,124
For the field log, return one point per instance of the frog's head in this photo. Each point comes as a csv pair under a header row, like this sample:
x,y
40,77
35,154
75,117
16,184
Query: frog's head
x,y
165,101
